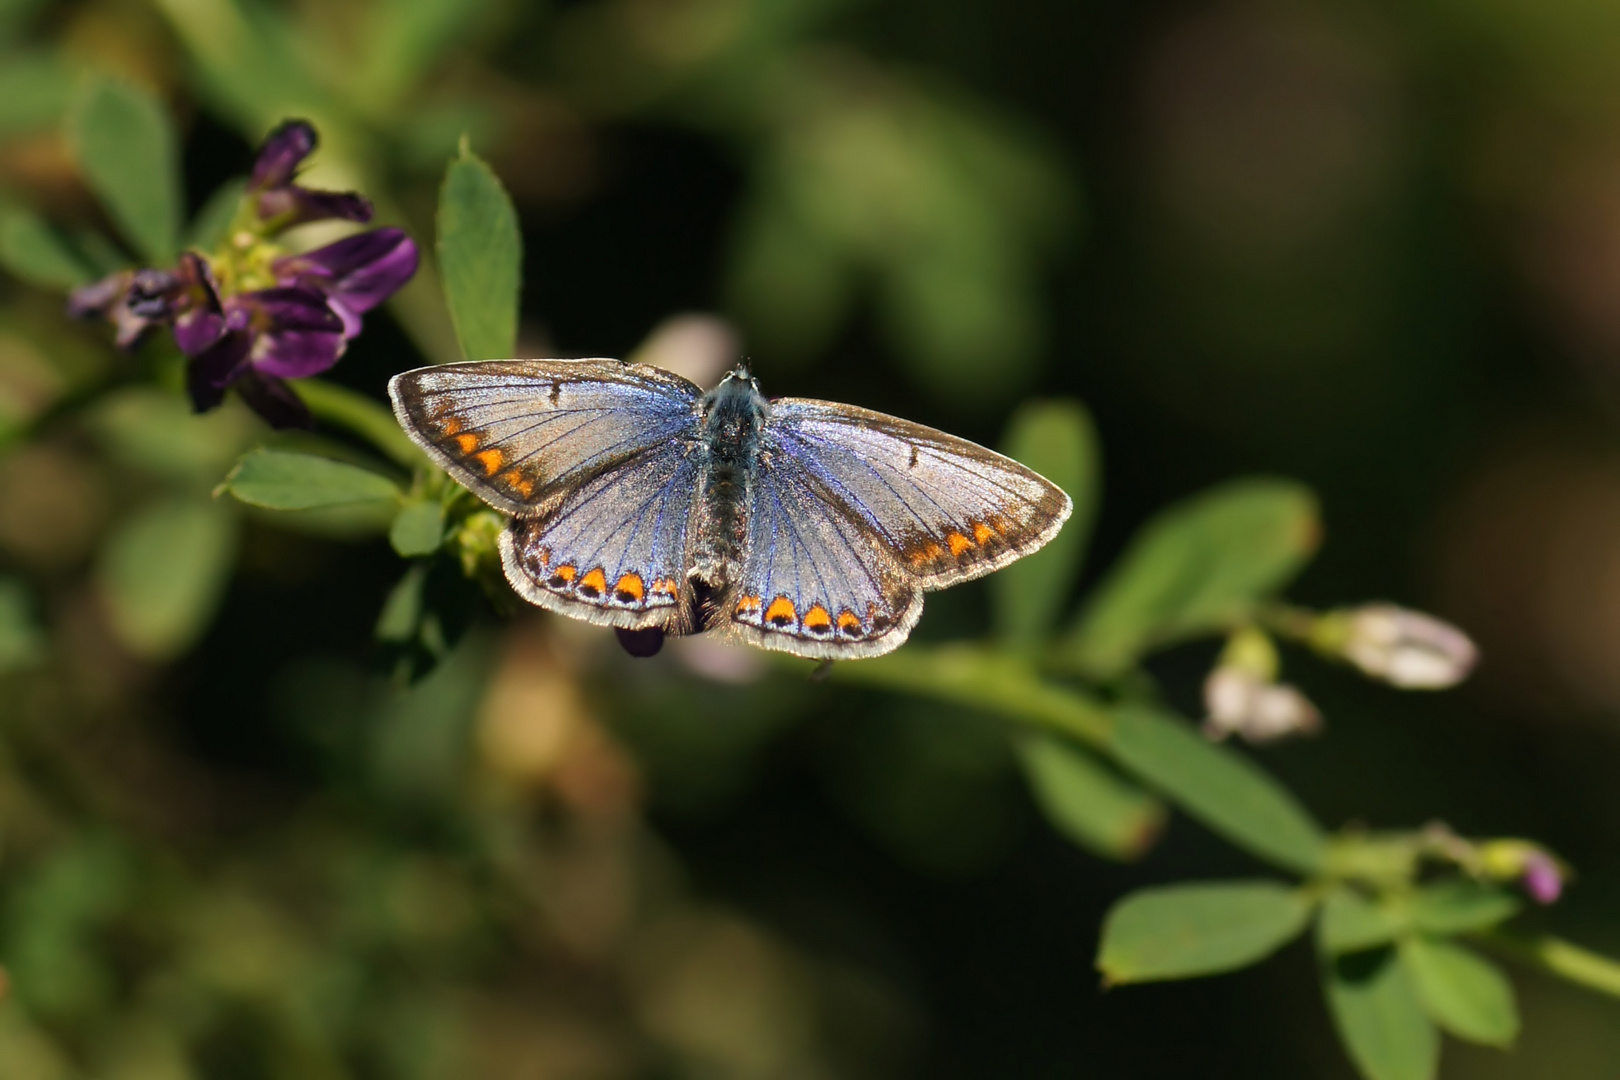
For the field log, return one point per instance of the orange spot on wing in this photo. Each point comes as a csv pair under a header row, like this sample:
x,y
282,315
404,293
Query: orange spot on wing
x,y
748,604
817,620
467,442
926,553
593,584
781,612
562,575
665,587
982,532
452,425
518,483
629,589
848,621
491,460
958,542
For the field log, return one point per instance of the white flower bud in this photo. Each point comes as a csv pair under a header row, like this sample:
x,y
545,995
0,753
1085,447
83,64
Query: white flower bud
x,y
1406,648
1242,703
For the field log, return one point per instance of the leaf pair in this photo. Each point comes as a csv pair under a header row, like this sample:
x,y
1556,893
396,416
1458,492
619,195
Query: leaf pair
x,y
1392,980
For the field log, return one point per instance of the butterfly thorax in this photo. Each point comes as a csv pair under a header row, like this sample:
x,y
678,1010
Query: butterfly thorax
x,y
733,416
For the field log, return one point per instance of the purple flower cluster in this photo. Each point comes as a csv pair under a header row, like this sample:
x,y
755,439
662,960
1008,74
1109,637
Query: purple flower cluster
x,y
301,318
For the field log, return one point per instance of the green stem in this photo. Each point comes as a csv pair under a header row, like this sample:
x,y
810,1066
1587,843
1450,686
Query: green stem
x,y
360,416
979,677
1580,966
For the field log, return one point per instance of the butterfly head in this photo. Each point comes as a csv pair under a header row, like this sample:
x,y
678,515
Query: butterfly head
x,y
742,376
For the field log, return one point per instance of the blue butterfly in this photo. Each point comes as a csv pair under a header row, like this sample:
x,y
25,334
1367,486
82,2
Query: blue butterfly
x,y
640,502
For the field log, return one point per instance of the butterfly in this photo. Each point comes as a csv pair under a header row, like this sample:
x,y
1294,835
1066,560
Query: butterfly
x,y
639,501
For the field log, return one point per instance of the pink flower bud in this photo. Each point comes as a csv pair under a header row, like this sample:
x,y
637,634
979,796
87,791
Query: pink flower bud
x,y
1406,648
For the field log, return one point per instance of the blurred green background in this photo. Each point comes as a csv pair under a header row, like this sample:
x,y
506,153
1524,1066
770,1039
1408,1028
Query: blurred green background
x,y
1372,247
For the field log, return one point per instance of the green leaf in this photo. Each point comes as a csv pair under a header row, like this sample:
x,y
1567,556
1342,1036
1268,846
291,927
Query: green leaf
x,y
35,89
402,611
418,529
1379,1017
1461,906
284,480
126,148
1219,787
1088,803
162,572
1463,992
207,229
22,643
1057,440
1182,931
1350,922
157,432
250,62
30,249
1198,567
480,257
403,40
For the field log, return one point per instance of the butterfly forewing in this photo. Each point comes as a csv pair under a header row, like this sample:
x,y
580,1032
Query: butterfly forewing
x,y
523,433
950,509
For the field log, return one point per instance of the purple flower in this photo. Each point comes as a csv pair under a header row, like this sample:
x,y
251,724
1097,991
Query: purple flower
x,y
284,203
356,273
266,337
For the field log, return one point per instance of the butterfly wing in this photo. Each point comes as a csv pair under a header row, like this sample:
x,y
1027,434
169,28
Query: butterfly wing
x,y
521,434
816,580
593,459
856,513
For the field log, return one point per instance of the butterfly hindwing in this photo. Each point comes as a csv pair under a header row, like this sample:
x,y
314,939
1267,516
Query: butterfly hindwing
x,y
949,509
613,551
521,434
815,580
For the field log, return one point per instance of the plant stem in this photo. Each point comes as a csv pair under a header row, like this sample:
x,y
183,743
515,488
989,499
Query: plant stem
x,y
1559,957
986,679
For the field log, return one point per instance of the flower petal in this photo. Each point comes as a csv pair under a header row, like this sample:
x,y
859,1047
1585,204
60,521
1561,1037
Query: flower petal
x,y
201,319
98,297
293,205
274,400
358,272
295,354
215,368
286,308
283,151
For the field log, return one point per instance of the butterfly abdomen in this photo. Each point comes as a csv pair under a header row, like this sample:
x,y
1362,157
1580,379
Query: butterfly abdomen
x,y
733,414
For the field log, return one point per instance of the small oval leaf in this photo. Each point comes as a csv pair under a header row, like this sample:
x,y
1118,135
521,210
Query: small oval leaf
x,y
31,250
1462,991
1198,567
480,257
1086,802
1183,931
418,528
1379,1017
126,148
1219,787
1461,906
163,571
1057,440
284,480
1351,922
